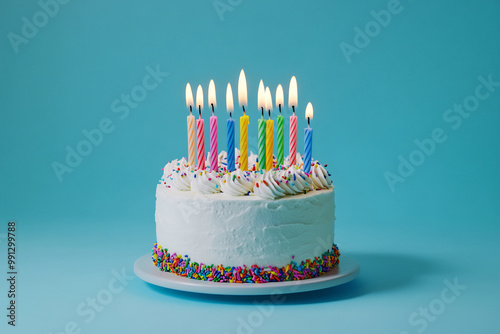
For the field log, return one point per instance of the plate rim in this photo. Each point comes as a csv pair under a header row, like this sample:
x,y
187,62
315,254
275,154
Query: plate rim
x,y
347,270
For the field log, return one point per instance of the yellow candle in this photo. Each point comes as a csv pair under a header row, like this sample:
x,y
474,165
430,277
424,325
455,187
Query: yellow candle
x,y
269,144
244,142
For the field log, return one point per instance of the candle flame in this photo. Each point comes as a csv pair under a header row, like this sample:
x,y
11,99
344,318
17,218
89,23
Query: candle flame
x,y
309,111
261,96
292,93
229,98
211,94
242,89
189,96
279,96
269,100
199,97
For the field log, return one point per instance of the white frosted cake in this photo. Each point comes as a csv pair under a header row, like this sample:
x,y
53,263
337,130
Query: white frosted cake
x,y
245,226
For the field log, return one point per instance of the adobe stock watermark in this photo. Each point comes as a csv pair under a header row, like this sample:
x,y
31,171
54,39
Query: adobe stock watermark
x,y
87,310
453,117
420,319
373,28
31,26
222,6
121,107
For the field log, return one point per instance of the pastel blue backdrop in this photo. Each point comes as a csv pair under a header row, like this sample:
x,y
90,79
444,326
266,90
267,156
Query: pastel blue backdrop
x,y
378,84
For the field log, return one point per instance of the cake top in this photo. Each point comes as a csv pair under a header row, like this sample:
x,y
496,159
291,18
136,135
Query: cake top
x,y
278,182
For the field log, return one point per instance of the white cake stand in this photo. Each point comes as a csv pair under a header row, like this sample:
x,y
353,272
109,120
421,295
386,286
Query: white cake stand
x,y
347,270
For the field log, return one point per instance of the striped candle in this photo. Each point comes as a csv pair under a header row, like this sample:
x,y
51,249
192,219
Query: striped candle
x,y
293,140
269,144
214,151
244,142
262,143
230,145
280,139
308,138
200,127
191,141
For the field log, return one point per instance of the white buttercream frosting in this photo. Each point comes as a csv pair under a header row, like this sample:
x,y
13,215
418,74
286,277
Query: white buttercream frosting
x,y
204,183
268,186
237,183
245,230
320,177
273,184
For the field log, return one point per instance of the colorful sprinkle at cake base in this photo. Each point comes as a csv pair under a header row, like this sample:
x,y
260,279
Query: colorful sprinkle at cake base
x,y
182,266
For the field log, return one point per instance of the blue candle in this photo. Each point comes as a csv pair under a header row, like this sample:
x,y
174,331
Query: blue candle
x,y
230,129
230,144
308,137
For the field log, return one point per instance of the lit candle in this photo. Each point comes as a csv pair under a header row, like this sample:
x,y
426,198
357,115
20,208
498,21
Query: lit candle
x,y
242,99
292,103
269,131
214,151
230,129
200,128
308,139
190,127
261,99
280,123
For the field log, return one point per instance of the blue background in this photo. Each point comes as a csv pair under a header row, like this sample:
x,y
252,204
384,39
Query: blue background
x,y
441,223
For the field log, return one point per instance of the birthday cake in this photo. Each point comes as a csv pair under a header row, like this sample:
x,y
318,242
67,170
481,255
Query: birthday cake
x,y
245,218
245,227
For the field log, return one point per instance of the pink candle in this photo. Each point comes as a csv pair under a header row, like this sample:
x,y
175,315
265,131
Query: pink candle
x,y
200,127
214,154
292,104
293,140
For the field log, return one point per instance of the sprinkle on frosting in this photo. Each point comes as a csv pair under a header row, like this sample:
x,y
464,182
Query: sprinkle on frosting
x,y
281,181
182,266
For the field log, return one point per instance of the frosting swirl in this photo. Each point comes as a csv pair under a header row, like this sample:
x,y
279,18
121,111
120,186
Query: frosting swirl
x,y
177,175
204,182
268,186
294,181
237,183
320,177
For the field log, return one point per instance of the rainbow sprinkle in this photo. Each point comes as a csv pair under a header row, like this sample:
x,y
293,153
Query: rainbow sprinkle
x,y
182,266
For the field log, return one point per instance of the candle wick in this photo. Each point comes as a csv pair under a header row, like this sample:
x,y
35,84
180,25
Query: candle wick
x,y
293,108
280,107
230,114
262,108
243,109
191,110
308,121
199,109
213,111
269,114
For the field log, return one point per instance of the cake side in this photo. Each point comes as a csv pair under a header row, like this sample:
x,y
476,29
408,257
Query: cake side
x,y
236,231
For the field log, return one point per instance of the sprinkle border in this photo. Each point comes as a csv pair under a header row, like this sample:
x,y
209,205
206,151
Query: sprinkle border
x,y
182,266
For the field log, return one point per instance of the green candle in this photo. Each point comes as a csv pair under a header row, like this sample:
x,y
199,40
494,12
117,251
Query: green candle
x,y
280,136
262,143
280,122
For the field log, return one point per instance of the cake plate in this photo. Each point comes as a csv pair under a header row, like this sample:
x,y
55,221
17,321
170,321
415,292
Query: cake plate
x,y
347,270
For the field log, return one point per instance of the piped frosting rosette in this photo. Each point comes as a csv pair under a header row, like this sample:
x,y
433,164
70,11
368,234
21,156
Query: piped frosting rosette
x,y
204,183
294,181
268,186
320,177
237,183
177,175
276,183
